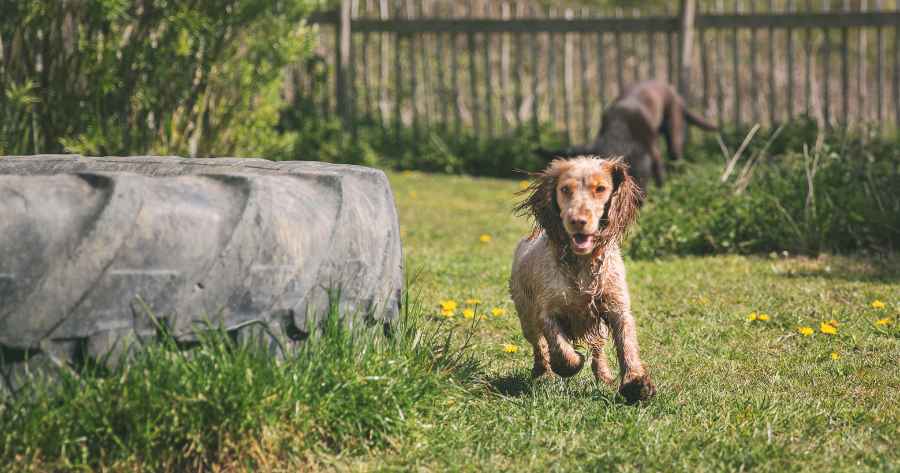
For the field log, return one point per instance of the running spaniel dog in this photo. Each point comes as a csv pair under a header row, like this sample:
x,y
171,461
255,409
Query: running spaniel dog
x,y
568,278
632,126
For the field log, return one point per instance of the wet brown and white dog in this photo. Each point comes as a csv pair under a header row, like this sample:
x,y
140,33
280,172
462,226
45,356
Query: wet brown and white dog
x,y
568,278
632,126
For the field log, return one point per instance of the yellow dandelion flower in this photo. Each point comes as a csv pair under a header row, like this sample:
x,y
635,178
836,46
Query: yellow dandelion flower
x,y
806,331
413,194
752,316
448,305
448,313
877,304
473,301
827,328
485,238
407,173
523,185
835,356
884,321
763,317
469,314
510,348
497,312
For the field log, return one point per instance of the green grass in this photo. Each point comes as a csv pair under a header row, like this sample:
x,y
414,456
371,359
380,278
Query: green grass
x,y
732,394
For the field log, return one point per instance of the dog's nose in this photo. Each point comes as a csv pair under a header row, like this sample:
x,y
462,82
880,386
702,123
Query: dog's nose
x,y
578,221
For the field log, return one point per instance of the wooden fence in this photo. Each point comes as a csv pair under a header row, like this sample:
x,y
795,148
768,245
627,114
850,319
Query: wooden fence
x,y
420,64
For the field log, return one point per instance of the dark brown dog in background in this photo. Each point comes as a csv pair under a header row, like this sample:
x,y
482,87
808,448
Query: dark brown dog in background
x,y
631,128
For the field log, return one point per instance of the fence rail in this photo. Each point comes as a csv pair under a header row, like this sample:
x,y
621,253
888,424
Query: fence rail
x,y
423,65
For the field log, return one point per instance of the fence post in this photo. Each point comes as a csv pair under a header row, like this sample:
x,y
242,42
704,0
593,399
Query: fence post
x,y
342,61
686,50
686,53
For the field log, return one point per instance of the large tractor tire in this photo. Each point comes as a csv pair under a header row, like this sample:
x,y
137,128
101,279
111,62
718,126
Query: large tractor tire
x,y
96,253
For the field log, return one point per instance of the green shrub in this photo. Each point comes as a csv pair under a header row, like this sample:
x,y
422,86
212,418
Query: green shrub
x,y
841,197
160,76
435,148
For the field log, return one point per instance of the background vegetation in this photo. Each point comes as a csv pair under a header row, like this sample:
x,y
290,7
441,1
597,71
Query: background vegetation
x,y
153,76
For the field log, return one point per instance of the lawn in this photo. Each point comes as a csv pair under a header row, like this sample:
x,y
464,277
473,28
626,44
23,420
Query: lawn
x,y
770,363
733,394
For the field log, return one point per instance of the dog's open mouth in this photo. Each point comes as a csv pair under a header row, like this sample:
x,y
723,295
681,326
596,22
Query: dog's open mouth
x,y
582,243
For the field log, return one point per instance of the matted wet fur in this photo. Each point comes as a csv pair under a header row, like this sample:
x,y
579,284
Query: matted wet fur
x,y
568,277
632,126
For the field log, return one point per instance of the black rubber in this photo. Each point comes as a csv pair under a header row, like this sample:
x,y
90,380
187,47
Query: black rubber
x,y
98,252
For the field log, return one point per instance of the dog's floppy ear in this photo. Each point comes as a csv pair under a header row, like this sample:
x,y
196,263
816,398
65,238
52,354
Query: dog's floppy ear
x,y
622,210
540,203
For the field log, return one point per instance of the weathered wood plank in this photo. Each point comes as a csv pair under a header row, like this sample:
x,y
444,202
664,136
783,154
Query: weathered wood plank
x,y
475,103
845,76
366,68
601,70
383,70
551,75
736,61
585,90
620,56
569,79
657,24
488,82
704,67
897,73
826,70
686,48
809,66
520,73
754,72
879,72
772,105
862,114
535,83
505,51
440,73
720,69
789,53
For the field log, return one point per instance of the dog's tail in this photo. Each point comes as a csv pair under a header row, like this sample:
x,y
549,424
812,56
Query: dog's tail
x,y
698,121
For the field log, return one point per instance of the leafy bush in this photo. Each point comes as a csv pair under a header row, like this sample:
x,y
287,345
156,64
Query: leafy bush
x,y
226,403
436,148
840,197
121,77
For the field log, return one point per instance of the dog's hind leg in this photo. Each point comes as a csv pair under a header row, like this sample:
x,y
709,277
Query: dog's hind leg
x,y
599,362
658,166
674,129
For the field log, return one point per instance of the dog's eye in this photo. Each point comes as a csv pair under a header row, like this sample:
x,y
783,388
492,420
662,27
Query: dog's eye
x,y
565,190
601,189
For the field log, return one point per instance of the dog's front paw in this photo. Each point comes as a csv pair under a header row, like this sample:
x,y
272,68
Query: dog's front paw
x,y
636,388
566,365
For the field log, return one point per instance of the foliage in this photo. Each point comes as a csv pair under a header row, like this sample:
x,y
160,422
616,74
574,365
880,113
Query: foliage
x,y
121,77
435,148
838,197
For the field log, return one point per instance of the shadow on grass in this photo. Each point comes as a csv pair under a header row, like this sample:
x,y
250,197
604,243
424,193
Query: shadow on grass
x,y
861,269
513,385
519,384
